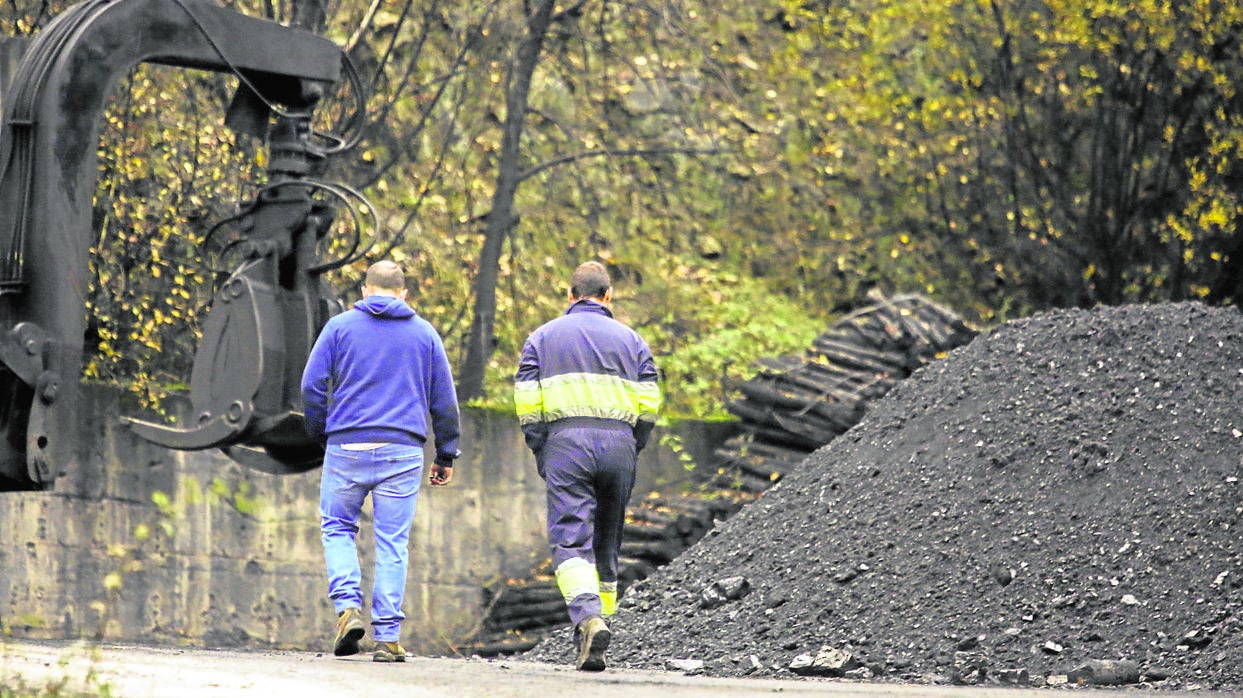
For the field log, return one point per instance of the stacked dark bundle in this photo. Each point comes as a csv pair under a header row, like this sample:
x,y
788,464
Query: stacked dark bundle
x,y
797,404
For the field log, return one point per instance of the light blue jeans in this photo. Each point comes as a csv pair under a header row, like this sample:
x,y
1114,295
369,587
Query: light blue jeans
x,y
391,474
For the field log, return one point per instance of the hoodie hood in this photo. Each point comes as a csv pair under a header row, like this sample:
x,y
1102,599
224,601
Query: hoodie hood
x,y
385,307
589,305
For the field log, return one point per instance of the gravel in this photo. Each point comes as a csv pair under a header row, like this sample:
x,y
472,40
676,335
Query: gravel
x,y
1062,495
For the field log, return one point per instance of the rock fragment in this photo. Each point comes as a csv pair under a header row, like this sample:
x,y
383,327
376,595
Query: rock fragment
x,y
1002,575
1105,672
688,666
969,669
753,664
1196,639
723,591
829,661
1012,677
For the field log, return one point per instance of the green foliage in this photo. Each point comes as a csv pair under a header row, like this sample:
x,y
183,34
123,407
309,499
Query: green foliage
x,y
747,172
673,442
168,168
704,350
54,689
1039,153
90,685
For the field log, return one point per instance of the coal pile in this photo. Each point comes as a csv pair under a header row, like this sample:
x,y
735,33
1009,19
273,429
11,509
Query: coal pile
x,y
1057,502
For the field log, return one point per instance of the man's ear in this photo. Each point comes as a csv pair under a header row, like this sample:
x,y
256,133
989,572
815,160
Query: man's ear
x,y
608,295
569,294
404,291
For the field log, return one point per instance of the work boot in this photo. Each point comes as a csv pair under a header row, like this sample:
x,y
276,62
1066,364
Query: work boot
x,y
593,640
389,652
350,630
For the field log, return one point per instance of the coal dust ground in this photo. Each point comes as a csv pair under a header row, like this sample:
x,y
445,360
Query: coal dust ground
x,y
1065,488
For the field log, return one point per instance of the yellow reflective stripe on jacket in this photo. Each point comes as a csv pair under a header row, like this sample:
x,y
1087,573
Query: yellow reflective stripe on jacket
x,y
576,577
586,395
528,402
647,395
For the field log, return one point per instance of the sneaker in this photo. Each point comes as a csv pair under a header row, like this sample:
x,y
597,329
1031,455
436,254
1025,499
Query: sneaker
x,y
350,630
389,652
593,640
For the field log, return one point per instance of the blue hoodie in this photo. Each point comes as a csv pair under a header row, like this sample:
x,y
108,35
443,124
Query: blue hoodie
x,y
375,374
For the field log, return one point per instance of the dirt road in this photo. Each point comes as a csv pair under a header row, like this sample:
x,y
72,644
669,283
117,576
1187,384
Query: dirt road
x,y
145,672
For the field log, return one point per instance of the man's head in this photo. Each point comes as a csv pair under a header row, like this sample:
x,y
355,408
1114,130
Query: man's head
x,y
591,280
385,278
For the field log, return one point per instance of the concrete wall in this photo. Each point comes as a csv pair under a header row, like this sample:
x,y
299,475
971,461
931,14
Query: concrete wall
x,y
146,544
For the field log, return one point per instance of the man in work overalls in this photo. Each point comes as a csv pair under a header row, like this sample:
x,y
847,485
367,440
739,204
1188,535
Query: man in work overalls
x,y
587,398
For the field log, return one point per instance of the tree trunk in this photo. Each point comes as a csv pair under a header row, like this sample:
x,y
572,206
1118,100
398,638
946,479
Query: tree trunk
x,y
500,219
309,15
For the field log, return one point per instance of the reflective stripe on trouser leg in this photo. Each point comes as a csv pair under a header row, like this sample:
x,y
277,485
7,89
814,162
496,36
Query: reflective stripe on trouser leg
x,y
608,598
580,587
576,577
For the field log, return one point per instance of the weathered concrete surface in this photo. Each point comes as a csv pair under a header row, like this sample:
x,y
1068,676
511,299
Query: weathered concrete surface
x,y
139,672
146,544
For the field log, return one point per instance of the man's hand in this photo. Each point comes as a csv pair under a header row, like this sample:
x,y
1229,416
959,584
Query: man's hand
x,y
441,474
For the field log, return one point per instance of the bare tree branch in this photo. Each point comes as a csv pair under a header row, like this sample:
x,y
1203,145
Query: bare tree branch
x,y
628,152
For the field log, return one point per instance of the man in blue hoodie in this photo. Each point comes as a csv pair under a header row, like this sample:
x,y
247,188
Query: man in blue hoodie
x,y
374,375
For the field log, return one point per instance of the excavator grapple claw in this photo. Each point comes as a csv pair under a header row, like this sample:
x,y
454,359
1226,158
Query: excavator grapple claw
x,y
268,307
213,432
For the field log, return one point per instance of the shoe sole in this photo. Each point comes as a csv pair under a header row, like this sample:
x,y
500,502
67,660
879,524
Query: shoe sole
x,y
594,661
348,644
386,657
